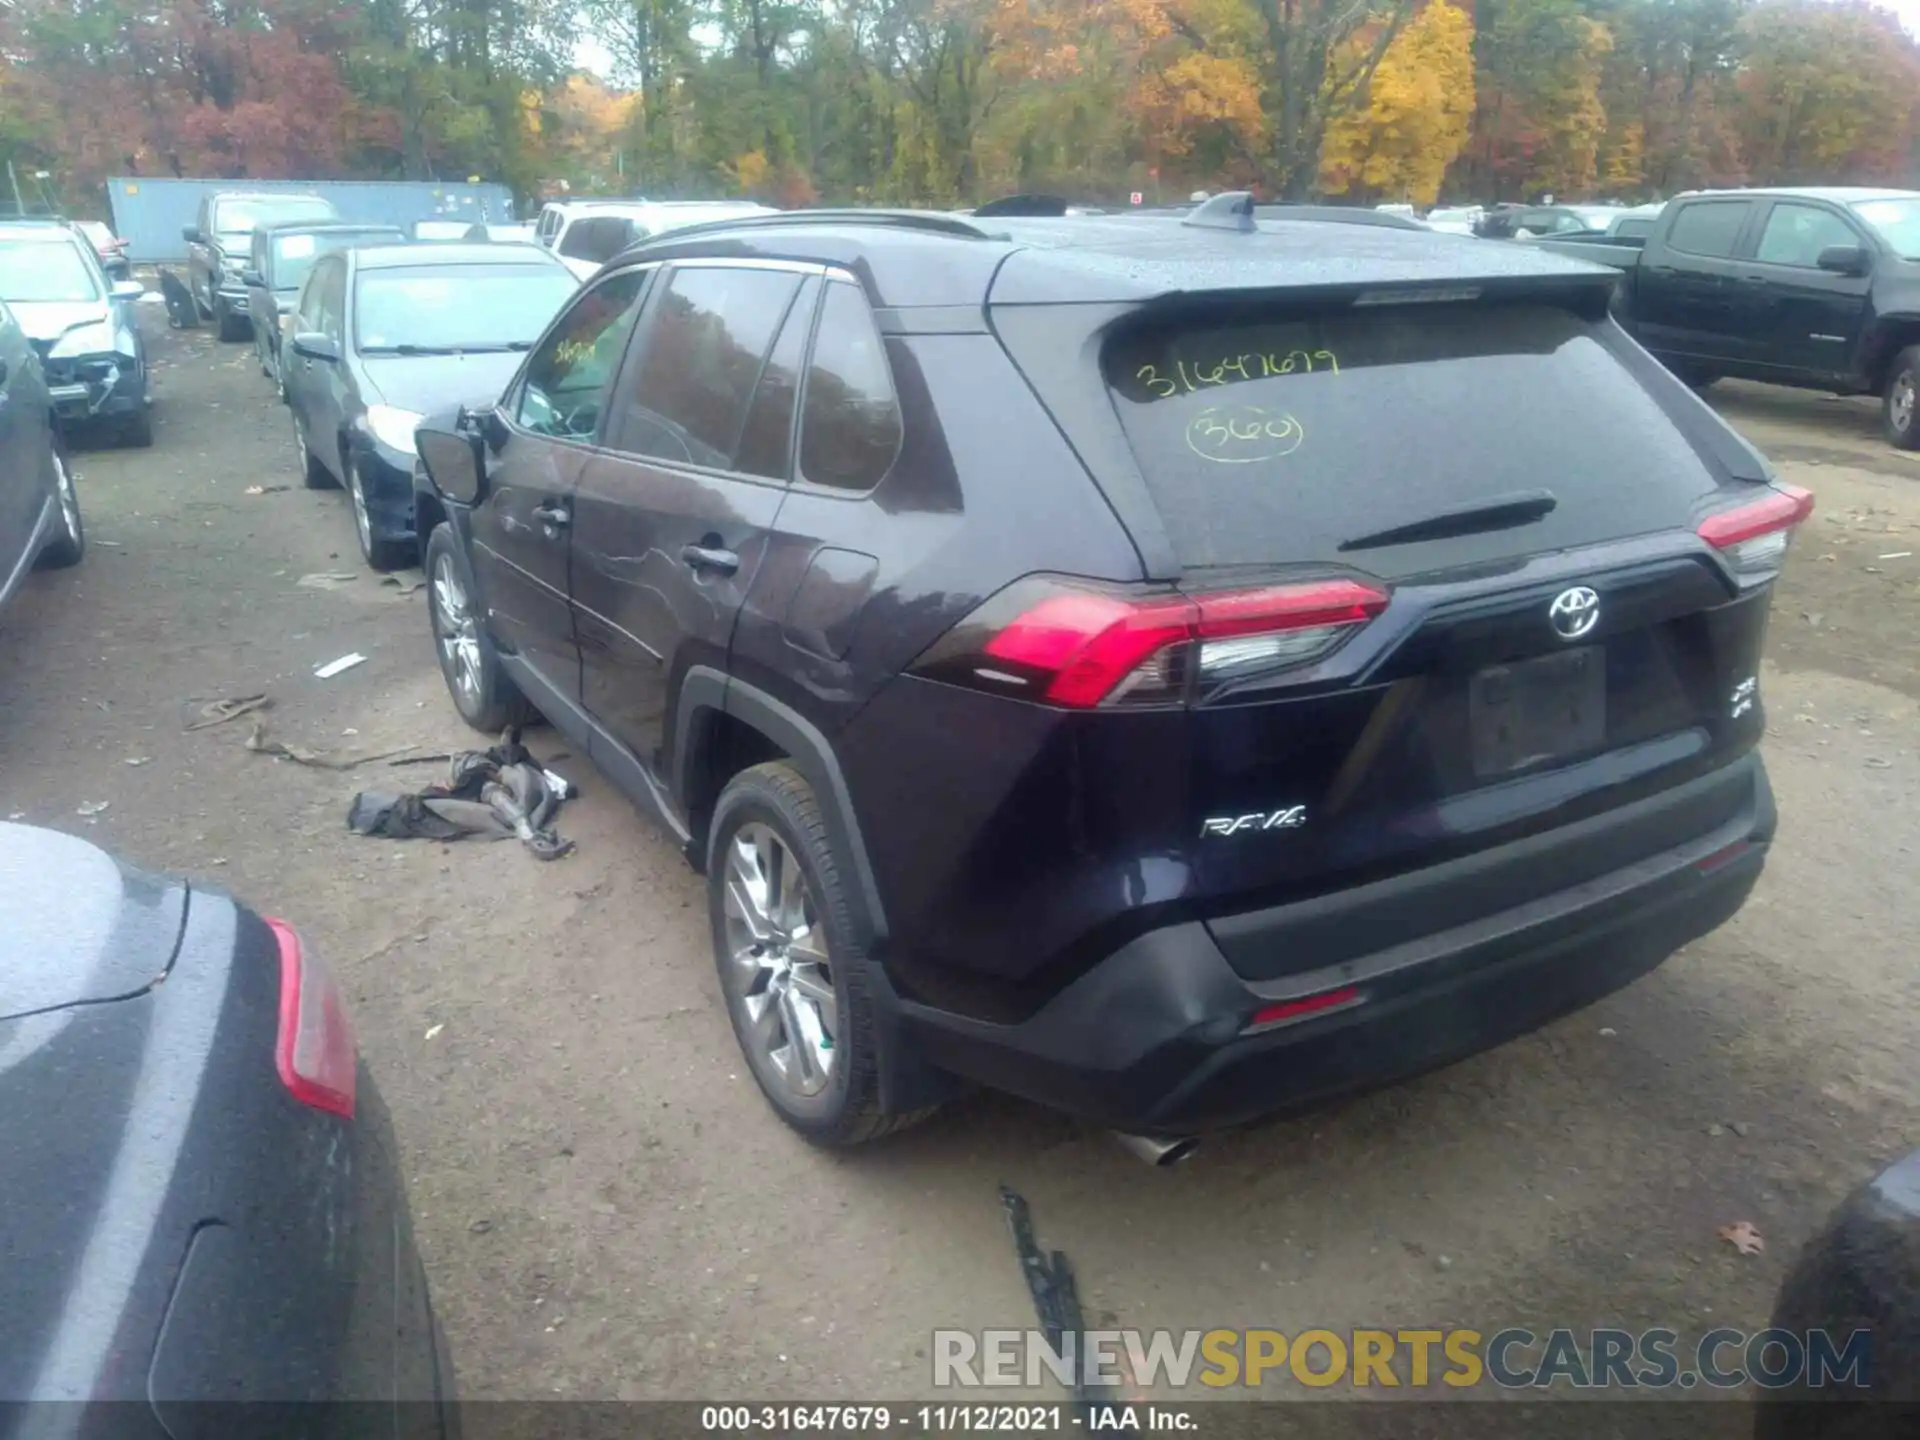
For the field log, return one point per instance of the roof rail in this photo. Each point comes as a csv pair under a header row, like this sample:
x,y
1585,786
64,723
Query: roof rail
x,y
1229,210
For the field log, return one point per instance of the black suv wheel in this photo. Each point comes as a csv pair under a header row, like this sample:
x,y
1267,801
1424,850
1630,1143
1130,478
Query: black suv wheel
x,y
1900,405
791,970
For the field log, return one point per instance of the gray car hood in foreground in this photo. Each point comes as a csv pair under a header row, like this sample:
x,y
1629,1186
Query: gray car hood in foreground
x,y
77,927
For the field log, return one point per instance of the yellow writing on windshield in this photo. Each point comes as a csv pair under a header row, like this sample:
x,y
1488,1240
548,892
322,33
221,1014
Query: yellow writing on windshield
x,y
1187,376
1243,434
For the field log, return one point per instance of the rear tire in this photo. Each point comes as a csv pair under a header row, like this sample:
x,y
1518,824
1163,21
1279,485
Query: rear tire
x,y
313,474
228,323
1900,401
69,541
791,967
482,691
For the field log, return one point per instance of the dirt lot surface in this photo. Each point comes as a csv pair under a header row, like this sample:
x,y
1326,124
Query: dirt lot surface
x,y
609,1210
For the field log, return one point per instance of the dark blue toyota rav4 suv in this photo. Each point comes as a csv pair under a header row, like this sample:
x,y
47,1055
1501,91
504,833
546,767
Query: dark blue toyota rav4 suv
x,y
1174,669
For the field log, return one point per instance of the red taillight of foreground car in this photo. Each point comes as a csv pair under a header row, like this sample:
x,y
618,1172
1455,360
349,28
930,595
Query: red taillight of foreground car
x,y
1289,1010
1754,537
315,1052
1080,645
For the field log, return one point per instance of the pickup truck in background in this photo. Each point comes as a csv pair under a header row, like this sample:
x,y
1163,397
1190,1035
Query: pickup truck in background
x,y
220,240
1815,288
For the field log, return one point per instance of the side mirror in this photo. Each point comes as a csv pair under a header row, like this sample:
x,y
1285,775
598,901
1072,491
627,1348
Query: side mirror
x,y
191,234
1843,259
312,345
251,276
453,457
128,290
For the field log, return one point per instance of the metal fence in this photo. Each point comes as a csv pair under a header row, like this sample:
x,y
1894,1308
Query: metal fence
x,y
150,213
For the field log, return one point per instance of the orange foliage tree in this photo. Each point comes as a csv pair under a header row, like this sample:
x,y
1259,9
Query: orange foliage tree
x,y
1419,105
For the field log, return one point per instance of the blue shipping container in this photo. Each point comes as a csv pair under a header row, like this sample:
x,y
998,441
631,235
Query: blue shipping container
x,y
150,213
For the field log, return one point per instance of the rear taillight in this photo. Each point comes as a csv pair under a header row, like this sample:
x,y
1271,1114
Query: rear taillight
x,y
1753,537
315,1052
1079,644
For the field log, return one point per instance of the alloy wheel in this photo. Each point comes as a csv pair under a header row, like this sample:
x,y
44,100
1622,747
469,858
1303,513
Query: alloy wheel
x,y
300,460
455,631
778,969
1903,401
69,500
362,521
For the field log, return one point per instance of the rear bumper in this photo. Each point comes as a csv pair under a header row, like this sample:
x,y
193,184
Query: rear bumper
x,y
1155,1038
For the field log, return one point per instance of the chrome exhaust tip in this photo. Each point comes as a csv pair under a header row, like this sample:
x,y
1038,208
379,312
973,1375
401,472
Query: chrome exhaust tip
x,y
1161,1154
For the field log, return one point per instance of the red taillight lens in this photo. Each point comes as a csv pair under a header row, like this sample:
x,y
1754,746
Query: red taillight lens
x,y
1754,537
315,1053
1081,645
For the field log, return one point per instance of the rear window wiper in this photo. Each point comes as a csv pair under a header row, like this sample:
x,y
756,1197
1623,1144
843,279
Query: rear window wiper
x,y
1503,512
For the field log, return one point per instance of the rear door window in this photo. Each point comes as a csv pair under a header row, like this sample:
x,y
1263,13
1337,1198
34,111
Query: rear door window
x,y
850,424
683,397
766,439
1275,440
1709,228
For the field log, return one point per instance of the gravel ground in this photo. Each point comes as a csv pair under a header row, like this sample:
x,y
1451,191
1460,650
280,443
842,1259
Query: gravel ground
x,y
608,1209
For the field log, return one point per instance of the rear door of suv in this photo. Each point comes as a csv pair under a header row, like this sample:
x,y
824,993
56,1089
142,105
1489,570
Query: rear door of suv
x,y
673,515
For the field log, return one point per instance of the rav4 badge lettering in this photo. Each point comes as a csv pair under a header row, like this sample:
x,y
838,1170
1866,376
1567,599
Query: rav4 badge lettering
x,y
1291,818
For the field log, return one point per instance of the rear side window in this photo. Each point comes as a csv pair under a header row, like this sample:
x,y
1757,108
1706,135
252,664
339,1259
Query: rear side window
x,y
1708,227
699,361
1273,441
850,424
598,238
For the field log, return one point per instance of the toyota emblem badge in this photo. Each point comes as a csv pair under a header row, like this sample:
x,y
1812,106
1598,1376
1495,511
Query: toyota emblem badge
x,y
1574,612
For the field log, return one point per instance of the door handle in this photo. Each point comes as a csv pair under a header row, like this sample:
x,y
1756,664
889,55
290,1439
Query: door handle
x,y
1755,279
553,518
701,557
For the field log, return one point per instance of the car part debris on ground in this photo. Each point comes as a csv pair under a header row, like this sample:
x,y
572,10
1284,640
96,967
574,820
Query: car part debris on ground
x,y
334,667
219,712
495,794
1056,1297
259,743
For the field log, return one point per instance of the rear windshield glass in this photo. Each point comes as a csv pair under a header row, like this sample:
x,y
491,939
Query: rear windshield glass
x,y
1273,440
238,217
294,255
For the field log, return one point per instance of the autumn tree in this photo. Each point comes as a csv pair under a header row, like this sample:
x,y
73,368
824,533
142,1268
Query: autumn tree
x,y
1827,92
1419,108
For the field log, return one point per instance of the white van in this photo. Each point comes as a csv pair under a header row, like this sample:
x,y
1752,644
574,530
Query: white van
x,y
585,234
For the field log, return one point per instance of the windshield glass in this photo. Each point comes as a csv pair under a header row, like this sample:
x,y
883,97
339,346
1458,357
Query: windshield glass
x,y
458,307
293,255
1898,222
238,217
40,273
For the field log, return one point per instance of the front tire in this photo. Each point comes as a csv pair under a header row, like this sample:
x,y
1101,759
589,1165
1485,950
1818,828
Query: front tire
x,y
379,552
69,540
1900,402
482,691
791,966
228,323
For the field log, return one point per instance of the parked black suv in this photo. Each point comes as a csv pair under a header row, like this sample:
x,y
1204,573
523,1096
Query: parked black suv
x,y
1175,671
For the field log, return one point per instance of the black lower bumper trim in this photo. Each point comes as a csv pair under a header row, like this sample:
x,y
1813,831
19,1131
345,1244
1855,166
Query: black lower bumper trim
x,y
1152,1040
